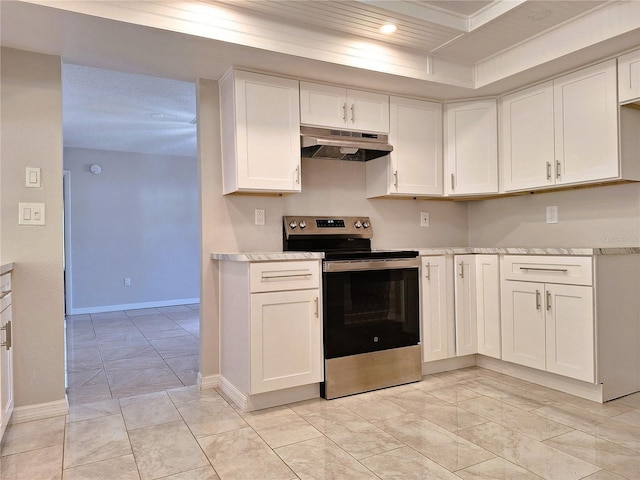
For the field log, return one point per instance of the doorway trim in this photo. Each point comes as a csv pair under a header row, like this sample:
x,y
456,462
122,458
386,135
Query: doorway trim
x,y
68,293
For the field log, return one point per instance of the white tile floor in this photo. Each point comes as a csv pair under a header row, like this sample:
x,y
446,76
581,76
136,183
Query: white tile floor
x,y
469,424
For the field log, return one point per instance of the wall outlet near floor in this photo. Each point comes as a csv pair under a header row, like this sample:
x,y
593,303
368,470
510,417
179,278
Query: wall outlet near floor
x,y
127,281
424,219
259,216
552,214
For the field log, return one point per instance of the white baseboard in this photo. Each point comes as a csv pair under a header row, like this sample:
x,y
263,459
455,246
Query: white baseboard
x,y
578,388
249,403
448,364
40,411
210,381
133,306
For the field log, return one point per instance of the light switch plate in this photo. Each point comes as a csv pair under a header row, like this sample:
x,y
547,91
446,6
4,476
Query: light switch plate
x,y
424,219
33,177
31,214
552,214
259,216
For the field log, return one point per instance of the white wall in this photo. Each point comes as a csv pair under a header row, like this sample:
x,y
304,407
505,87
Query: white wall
x,y
591,217
31,136
138,219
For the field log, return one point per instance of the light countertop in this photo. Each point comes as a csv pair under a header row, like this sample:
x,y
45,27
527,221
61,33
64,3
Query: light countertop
x,y
6,268
280,256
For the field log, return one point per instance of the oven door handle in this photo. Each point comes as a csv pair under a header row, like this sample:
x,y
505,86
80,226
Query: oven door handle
x,y
356,265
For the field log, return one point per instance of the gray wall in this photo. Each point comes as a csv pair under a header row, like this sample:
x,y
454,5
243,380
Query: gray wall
x,y
138,219
31,131
591,217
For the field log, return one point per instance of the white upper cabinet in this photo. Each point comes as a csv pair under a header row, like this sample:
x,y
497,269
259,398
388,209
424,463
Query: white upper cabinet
x,y
471,148
527,153
565,132
414,168
629,77
586,125
338,107
260,133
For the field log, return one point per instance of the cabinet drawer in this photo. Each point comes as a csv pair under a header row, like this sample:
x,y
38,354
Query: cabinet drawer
x,y
277,276
549,269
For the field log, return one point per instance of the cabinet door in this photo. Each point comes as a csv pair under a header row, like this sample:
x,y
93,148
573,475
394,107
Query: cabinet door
x,y
6,371
528,139
323,105
523,323
437,308
570,331
286,340
629,77
488,305
416,135
471,148
267,133
586,124
368,111
466,305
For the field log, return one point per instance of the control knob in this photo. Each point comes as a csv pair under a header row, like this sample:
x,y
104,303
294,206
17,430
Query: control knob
x,y
302,224
365,224
358,224
293,224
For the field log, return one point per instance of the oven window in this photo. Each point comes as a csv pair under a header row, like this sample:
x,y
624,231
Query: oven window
x,y
366,311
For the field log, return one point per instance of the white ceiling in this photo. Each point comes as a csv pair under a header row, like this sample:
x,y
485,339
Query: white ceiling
x,y
143,111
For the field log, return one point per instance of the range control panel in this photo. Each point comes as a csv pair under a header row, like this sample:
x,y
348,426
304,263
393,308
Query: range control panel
x,y
346,227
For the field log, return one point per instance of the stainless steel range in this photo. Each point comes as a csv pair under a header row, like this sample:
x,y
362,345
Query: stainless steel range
x,y
370,304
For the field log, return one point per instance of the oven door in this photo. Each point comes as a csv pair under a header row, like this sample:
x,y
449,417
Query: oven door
x,y
370,306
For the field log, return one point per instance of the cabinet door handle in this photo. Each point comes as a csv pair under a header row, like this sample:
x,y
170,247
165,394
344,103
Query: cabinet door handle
x,y
540,269
428,270
537,299
317,307
452,182
7,336
548,300
558,168
461,270
395,179
344,112
548,170
298,175
353,113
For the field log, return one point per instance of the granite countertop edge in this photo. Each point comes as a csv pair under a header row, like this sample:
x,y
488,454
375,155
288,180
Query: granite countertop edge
x,y
6,268
282,256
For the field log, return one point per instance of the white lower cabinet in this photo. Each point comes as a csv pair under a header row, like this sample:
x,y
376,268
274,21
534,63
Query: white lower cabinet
x,y
286,340
436,287
6,353
460,306
270,328
549,326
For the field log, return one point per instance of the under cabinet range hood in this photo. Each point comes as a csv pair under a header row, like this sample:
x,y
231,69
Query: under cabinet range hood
x,y
335,144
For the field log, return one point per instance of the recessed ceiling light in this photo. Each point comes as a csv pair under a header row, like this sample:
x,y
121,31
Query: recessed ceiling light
x,y
388,28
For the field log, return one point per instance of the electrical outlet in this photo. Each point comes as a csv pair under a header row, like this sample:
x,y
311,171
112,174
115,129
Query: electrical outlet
x,y
424,219
127,281
552,214
259,213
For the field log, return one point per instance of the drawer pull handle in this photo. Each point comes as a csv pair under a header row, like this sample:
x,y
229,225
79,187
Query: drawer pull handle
x,y
539,269
461,270
7,336
537,299
428,268
548,301
268,277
